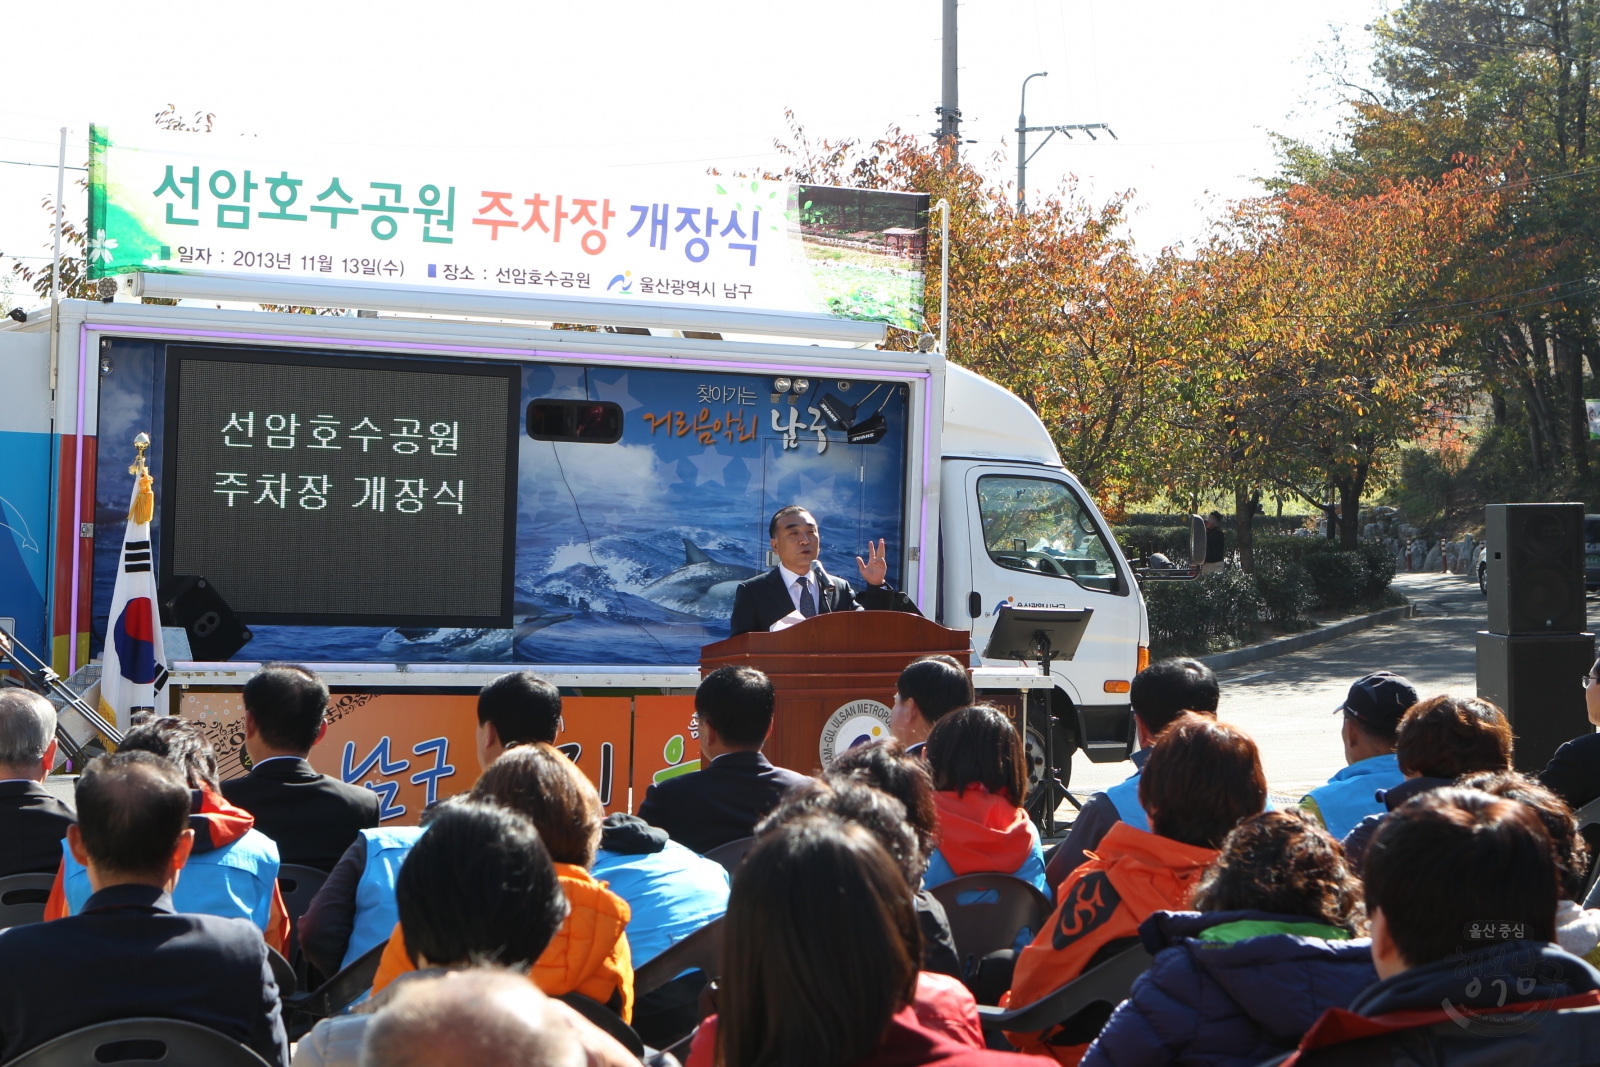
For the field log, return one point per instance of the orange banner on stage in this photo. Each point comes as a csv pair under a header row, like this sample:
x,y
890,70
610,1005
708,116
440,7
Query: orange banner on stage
x,y
416,749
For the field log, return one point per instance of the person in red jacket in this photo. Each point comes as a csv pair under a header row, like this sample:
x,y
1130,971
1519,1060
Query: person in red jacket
x,y
1202,778
819,964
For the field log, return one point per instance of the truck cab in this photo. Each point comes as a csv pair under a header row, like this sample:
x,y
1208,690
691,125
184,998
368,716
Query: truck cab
x,y
1017,528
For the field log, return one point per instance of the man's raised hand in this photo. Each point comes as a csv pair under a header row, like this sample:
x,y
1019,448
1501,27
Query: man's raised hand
x,y
875,568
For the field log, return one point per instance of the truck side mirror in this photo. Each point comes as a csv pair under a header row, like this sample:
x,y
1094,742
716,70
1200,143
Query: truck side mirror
x,y
1197,540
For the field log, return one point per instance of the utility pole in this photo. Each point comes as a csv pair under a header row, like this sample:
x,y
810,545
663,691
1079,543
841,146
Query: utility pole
x,y
1023,129
949,97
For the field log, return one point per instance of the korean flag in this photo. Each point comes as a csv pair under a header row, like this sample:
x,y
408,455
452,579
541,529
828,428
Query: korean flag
x,y
133,666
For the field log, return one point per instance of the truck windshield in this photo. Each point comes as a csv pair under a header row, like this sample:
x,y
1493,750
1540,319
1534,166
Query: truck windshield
x,y
1039,526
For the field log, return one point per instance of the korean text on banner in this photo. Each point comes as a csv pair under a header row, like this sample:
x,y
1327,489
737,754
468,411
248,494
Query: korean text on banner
x,y
174,203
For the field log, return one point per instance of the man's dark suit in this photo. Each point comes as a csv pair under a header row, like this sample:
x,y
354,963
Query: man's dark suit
x,y
32,824
761,601
719,804
127,955
311,816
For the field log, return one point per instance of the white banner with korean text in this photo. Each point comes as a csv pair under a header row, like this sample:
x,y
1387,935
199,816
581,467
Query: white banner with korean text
x,y
184,202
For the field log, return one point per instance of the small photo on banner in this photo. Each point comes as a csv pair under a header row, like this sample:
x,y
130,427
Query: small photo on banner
x,y
666,741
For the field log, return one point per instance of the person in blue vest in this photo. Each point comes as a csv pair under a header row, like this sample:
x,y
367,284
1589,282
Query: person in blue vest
x,y
355,911
672,891
1372,712
1159,694
232,870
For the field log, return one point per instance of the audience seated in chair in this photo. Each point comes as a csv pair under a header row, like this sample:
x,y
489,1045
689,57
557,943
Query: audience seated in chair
x,y
516,709
1577,927
484,1018
1201,779
32,820
354,911
941,1001
736,787
590,953
929,689
886,766
232,869
1439,740
478,888
1269,947
1461,893
311,816
820,960
1371,720
672,892
1159,694
128,953
980,776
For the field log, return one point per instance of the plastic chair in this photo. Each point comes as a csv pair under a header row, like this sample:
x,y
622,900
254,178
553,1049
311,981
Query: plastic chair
x,y
1107,983
169,1042
301,1011
23,897
700,951
604,1018
282,972
987,911
730,854
298,885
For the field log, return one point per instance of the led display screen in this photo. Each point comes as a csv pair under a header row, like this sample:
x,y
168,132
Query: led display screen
x,y
322,489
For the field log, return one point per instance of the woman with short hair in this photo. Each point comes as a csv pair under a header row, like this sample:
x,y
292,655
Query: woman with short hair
x,y
980,778
590,953
1269,947
1201,779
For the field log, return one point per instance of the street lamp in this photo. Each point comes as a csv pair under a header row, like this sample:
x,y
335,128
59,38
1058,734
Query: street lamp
x,y
1023,129
1022,139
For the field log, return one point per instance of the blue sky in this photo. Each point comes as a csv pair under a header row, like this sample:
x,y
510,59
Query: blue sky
x,y
1190,88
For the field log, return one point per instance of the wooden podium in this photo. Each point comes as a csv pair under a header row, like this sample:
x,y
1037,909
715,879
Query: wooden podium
x,y
834,676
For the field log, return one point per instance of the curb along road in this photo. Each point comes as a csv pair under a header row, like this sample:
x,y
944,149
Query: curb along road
x,y
1282,646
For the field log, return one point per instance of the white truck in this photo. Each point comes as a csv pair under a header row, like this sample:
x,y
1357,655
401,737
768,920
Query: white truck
x,y
423,494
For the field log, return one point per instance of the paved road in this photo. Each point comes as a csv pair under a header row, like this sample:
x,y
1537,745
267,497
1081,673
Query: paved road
x,y
1286,703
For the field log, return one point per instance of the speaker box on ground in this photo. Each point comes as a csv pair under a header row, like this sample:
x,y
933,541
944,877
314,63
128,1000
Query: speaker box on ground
x,y
1536,568
1538,681
215,632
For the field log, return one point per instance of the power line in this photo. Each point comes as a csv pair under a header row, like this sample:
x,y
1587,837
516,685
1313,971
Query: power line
x,y
47,166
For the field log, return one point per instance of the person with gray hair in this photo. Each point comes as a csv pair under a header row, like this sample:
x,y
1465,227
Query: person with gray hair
x,y
484,1017
32,820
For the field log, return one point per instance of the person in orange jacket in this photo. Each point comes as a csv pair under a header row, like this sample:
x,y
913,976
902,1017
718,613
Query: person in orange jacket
x,y
589,954
1201,779
232,870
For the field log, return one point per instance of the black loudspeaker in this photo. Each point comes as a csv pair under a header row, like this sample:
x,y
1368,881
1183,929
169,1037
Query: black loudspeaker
x,y
1536,568
1538,681
215,632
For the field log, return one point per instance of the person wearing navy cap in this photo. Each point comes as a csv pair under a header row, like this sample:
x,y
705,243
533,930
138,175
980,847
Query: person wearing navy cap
x,y
1372,712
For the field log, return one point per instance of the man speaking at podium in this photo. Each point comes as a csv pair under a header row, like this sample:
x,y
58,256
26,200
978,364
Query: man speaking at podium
x,y
799,584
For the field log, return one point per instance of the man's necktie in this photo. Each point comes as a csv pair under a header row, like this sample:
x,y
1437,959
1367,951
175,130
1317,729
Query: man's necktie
x,y
808,603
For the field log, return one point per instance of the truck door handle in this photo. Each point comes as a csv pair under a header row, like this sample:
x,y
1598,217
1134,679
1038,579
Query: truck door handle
x,y
974,604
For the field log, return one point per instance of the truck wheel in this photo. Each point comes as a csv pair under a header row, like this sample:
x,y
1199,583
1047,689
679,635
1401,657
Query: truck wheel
x,y
1483,578
1034,750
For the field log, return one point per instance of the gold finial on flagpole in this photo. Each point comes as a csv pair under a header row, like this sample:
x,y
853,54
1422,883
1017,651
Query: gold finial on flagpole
x,y
144,500
140,443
